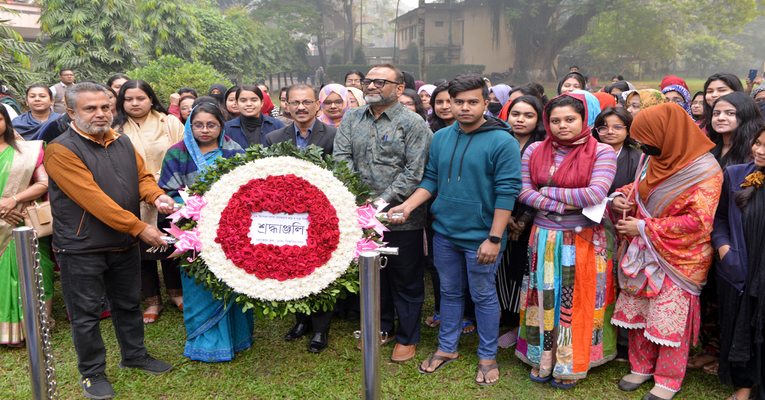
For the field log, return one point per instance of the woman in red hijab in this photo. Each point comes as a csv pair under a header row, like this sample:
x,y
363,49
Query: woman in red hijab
x,y
567,297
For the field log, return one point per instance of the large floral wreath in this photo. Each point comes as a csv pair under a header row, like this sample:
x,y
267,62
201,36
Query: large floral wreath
x,y
214,229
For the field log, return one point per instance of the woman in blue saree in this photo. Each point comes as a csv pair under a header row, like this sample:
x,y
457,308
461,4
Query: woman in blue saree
x,y
215,331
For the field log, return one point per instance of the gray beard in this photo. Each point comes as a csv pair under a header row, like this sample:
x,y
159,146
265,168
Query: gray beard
x,y
88,128
379,99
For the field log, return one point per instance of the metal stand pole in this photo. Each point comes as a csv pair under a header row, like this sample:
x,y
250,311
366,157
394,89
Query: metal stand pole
x,y
369,284
30,295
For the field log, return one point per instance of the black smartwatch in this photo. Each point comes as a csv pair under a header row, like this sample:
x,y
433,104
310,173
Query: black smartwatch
x,y
495,239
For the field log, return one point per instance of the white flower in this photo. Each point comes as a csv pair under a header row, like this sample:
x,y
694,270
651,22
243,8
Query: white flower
x,y
270,289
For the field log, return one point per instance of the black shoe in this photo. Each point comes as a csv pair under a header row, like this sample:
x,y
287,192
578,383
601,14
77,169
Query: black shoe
x,y
622,354
148,364
297,331
632,386
352,316
96,387
318,343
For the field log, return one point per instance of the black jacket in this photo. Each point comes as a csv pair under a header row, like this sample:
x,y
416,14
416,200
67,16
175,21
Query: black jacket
x,y
76,231
322,135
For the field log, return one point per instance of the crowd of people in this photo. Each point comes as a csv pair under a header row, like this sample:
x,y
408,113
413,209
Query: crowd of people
x,y
621,224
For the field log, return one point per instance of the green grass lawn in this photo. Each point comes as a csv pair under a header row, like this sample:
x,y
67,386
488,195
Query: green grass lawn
x,y
274,369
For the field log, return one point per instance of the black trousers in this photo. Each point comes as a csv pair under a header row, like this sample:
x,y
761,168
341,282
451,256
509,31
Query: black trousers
x,y
319,321
84,278
150,280
402,286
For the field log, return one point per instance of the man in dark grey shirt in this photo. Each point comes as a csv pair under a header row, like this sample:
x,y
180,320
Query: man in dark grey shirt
x,y
387,144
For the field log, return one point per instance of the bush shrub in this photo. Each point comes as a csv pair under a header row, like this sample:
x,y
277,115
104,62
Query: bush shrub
x,y
167,74
435,71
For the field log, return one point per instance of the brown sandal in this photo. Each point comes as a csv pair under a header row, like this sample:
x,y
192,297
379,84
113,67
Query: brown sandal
x,y
712,368
700,360
484,369
444,360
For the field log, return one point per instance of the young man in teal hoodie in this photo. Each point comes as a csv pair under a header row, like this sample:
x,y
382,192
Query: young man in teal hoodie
x,y
475,168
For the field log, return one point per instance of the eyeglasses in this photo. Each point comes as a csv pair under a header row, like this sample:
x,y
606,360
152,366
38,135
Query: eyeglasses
x,y
305,103
604,129
185,108
676,101
378,82
328,103
350,81
210,127
701,103
408,103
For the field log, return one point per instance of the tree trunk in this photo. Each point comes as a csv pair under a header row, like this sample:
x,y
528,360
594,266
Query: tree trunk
x,y
271,79
539,34
421,39
350,31
320,36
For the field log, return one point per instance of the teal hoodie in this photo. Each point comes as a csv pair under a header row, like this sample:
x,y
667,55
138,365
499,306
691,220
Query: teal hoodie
x,y
473,173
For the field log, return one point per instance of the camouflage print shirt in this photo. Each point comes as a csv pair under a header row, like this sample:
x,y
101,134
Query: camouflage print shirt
x,y
389,152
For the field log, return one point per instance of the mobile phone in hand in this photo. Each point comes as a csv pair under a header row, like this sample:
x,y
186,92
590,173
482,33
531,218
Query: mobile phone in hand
x,y
752,75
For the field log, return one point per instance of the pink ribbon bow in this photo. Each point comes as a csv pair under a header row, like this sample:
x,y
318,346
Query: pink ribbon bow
x,y
366,245
368,218
191,210
186,240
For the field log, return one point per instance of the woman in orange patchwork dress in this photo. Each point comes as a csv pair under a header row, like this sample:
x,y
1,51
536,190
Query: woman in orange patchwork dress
x,y
669,213
568,296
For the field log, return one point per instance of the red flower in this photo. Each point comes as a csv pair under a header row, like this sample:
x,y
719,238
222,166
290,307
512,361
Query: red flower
x,y
278,194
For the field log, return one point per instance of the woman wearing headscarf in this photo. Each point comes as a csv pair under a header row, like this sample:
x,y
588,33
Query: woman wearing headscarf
x,y
605,99
567,297
425,92
217,91
143,118
334,101
356,97
498,97
593,106
669,213
215,331
679,95
739,237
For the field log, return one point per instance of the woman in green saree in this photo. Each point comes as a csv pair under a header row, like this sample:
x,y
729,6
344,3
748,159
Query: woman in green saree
x,y
22,179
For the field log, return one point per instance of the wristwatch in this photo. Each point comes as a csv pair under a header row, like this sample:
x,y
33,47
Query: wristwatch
x,y
495,239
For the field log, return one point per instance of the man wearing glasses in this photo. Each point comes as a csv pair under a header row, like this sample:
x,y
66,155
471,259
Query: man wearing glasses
x,y
307,130
67,80
388,146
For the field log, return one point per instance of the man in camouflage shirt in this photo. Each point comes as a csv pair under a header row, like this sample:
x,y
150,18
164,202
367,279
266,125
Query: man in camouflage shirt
x,y
387,144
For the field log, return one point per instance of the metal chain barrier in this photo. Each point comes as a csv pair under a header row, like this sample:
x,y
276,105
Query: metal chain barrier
x,y
42,371
50,367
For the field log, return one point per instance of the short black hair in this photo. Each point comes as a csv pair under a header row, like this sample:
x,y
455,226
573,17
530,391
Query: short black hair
x,y
563,101
573,66
464,82
249,88
64,70
620,112
114,78
618,78
399,74
40,85
621,85
303,86
354,72
187,89
576,75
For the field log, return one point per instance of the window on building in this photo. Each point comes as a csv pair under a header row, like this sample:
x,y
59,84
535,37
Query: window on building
x,y
439,23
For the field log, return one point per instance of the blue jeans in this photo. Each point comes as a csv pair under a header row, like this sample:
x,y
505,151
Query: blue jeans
x,y
458,267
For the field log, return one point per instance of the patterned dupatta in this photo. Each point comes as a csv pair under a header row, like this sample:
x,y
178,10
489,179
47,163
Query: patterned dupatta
x,y
642,264
22,168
